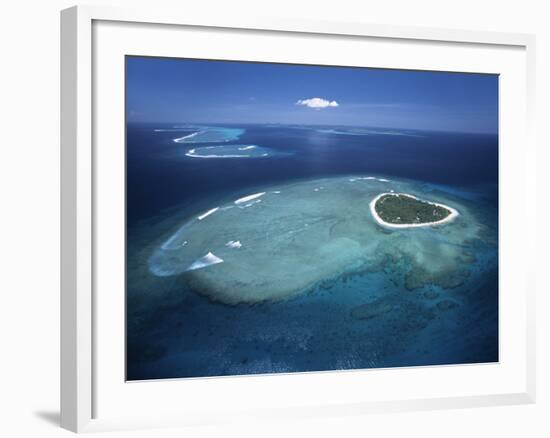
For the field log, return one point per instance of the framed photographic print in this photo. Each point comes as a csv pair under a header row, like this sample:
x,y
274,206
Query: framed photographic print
x,y
326,226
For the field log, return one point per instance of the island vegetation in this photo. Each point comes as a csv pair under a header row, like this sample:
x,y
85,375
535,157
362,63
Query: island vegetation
x,y
403,209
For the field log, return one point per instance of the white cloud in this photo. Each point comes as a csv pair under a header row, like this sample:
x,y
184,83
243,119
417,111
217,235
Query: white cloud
x,y
317,103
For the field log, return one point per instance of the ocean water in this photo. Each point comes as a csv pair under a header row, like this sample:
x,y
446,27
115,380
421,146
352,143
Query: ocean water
x,y
307,280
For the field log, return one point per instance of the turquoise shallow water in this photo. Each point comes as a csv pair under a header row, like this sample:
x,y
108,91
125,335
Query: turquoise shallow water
x,y
194,336
339,293
282,240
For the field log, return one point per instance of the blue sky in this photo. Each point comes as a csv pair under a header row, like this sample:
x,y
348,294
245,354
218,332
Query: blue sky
x,y
196,91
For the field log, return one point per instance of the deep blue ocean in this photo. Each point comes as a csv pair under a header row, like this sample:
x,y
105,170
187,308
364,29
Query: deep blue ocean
x,y
174,332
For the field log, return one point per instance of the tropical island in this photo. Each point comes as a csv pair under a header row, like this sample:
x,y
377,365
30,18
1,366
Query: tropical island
x,y
401,210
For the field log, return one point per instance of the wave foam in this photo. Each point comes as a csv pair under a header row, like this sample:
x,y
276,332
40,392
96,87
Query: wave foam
x,y
362,178
208,213
207,260
186,137
234,244
249,198
192,155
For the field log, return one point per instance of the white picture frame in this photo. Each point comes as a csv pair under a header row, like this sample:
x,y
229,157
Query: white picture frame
x,y
81,370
